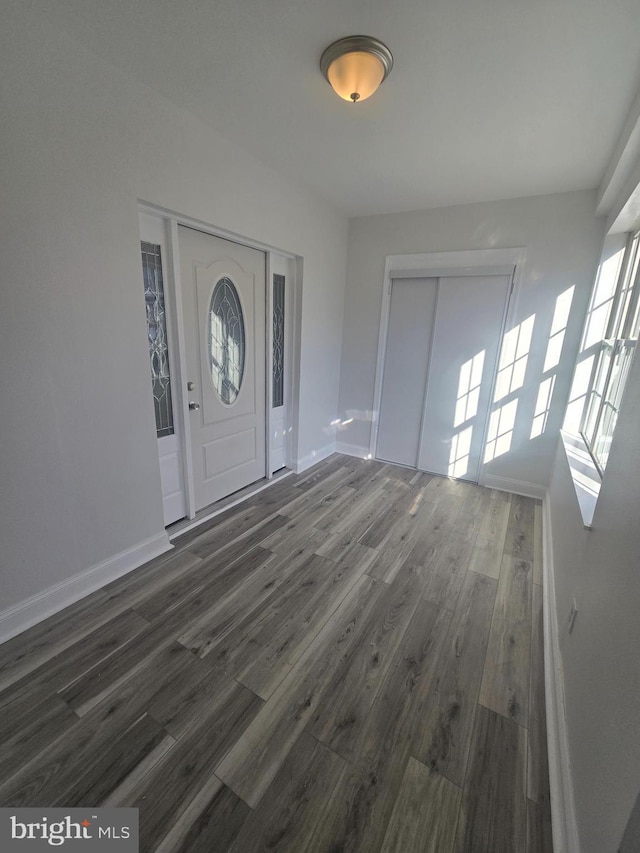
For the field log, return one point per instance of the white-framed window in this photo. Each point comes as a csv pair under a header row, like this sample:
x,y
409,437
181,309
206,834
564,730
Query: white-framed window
x,y
613,352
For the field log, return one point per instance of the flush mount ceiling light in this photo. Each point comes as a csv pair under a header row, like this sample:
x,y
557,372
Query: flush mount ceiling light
x,y
355,66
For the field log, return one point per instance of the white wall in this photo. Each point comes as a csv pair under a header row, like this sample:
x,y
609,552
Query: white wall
x,y
562,238
601,568
81,144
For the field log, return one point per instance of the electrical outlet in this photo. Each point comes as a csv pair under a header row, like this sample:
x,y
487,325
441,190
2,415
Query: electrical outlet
x,y
572,614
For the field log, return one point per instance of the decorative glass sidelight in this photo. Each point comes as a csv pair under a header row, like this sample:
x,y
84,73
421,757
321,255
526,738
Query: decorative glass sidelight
x,y
226,345
278,341
157,337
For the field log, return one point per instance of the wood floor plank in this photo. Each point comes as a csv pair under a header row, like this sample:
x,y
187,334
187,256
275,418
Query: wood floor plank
x,y
253,762
472,501
386,566
238,645
239,546
493,807
144,742
347,701
297,533
539,835
56,674
164,793
209,824
537,543
318,472
125,592
537,765
505,682
363,471
288,815
492,533
101,680
213,575
322,491
425,815
63,759
233,611
447,573
437,521
442,732
520,529
225,528
334,504
357,813
182,703
410,476
43,641
32,731
400,503
345,548
353,520
276,494
410,518
287,637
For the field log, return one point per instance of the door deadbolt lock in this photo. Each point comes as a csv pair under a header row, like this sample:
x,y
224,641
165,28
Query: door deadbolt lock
x,y
193,407
191,386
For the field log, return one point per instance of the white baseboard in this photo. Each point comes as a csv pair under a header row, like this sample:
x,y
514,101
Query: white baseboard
x,y
37,607
563,816
353,450
516,487
314,457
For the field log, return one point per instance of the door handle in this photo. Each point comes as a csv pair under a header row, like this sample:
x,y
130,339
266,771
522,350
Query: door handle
x,y
193,407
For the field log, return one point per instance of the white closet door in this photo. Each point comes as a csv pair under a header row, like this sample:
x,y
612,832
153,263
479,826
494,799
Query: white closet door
x,y
466,339
406,365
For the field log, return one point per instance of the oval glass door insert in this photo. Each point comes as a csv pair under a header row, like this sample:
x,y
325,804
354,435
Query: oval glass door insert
x,y
226,340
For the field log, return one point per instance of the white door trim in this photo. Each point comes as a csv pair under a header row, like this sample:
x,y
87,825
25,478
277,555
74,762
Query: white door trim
x,y
181,397
173,301
279,418
268,342
436,265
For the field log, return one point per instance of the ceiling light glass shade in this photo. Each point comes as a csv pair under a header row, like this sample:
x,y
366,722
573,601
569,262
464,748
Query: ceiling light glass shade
x,y
356,66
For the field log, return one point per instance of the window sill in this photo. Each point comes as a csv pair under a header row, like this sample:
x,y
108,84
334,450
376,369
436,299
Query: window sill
x,y
585,476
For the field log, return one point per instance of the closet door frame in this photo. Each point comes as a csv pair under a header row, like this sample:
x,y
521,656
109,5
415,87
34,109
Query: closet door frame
x,y
480,262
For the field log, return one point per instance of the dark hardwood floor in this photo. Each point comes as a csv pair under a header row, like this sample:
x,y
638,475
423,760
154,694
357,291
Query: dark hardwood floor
x,y
351,660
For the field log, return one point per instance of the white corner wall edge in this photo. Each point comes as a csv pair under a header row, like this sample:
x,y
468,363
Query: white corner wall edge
x,y
314,457
563,816
516,487
353,450
38,607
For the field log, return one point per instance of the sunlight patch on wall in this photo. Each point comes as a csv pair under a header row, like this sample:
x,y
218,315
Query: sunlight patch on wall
x,y
500,433
558,329
459,455
469,389
543,405
513,359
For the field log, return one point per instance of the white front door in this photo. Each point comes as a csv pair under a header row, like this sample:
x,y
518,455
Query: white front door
x,y
223,295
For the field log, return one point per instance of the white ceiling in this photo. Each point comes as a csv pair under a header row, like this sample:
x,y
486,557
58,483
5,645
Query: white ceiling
x,y
488,99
